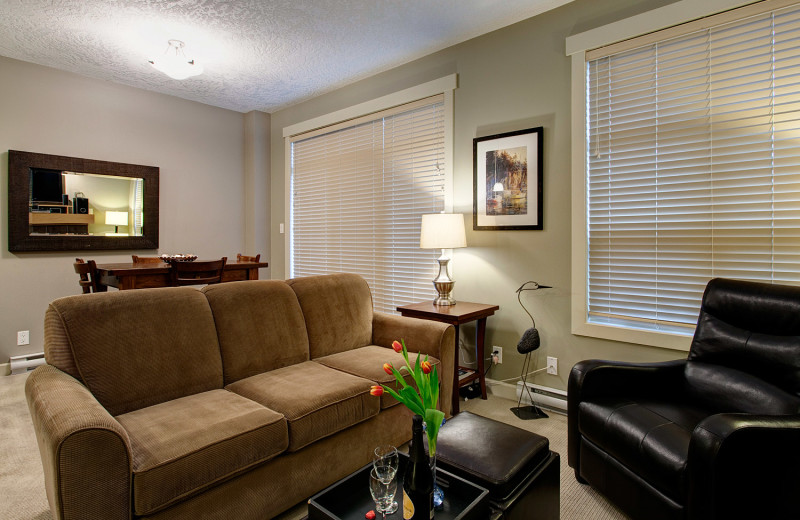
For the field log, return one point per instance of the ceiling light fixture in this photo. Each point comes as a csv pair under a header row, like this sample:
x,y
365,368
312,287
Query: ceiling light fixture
x,y
175,64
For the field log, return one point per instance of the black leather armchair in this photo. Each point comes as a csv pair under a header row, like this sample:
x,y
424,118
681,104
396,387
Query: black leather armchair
x,y
713,436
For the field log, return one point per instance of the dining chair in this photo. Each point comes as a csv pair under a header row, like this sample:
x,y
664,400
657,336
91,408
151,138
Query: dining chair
x,y
146,259
244,258
88,276
196,273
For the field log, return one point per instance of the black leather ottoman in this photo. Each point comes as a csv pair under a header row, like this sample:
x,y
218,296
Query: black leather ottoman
x,y
516,466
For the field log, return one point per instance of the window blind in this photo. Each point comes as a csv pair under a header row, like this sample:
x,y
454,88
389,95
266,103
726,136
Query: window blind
x,y
693,169
358,194
138,205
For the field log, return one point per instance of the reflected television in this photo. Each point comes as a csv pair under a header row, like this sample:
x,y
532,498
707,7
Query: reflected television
x,y
47,186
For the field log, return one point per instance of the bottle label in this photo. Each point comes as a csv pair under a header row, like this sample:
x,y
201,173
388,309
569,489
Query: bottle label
x,y
408,507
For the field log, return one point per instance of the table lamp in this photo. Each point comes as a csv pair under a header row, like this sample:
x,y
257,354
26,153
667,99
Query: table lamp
x,y
116,219
443,231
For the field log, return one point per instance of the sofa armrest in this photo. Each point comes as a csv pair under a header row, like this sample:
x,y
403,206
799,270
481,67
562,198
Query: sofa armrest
x,y
85,451
744,466
595,378
427,337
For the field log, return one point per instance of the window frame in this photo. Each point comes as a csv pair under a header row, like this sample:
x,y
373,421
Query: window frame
x,y
442,86
577,47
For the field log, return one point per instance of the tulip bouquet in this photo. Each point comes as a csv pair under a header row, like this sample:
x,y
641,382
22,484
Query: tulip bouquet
x,y
421,400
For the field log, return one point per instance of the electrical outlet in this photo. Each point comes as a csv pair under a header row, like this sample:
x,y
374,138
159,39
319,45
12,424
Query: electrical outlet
x,y
23,337
552,365
499,352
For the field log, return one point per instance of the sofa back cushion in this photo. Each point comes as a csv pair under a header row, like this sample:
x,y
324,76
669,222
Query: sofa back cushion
x,y
753,328
260,327
134,349
337,310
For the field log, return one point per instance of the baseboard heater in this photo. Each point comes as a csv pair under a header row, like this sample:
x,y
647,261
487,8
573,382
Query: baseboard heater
x,y
25,363
546,397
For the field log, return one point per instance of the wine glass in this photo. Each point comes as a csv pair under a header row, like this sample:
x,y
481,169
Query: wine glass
x,y
385,461
382,492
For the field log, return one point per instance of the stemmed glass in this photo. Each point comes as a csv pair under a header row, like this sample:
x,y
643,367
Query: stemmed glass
x,y
385,461
382,492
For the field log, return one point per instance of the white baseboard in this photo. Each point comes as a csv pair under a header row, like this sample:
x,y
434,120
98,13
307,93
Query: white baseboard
x,y
5,369
501,389
546,397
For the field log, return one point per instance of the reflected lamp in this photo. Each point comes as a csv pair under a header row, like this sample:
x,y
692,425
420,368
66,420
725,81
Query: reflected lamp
x,y
116,219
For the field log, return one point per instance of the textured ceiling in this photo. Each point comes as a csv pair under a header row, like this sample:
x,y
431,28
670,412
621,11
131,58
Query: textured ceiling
x,y
257,54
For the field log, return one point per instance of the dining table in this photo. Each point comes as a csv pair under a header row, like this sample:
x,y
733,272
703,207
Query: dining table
x,y
127,275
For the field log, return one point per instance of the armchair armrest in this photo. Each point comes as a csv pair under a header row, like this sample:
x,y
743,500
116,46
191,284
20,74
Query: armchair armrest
x,y
427,337
743,466
85,451
598,378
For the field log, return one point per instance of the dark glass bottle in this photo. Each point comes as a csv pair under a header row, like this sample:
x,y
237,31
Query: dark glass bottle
x,y
418,482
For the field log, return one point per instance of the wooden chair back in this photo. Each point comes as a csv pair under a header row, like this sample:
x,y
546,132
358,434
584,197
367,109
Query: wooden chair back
x,y
196,273
146,259
244,258
87,271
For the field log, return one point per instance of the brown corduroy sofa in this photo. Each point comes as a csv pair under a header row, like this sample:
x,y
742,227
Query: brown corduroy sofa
x,y
235,401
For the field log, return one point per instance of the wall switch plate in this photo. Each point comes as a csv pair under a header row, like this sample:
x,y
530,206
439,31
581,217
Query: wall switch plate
x,y
23,337
552,365
281,228
499,351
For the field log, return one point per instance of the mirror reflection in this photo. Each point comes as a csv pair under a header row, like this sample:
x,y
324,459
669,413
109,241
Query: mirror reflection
x,y
68,203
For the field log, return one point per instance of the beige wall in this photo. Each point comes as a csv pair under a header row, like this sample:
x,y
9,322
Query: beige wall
x,y
211,159
511,79
199,149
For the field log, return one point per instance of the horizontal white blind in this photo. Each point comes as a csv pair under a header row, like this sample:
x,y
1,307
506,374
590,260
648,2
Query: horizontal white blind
x,y
138,206
358,194
693,168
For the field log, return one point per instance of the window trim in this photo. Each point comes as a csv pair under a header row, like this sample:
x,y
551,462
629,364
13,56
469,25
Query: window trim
x,y
576,47
444,85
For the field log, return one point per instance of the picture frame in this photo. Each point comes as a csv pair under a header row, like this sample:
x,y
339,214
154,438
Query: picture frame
x,y
507,181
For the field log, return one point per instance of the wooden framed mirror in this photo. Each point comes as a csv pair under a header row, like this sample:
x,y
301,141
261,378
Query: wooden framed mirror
x,y
59,203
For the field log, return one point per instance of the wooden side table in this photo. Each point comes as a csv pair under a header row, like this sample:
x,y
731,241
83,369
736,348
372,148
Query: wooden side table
x,y
456,315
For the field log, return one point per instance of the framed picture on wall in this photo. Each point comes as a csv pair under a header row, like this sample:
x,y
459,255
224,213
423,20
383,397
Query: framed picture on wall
x,y
507,184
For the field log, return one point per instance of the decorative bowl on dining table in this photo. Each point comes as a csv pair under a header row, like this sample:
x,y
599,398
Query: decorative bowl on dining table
x,y
181,257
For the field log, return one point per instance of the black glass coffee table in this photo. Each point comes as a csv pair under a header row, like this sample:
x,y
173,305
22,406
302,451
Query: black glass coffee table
x,y
349,499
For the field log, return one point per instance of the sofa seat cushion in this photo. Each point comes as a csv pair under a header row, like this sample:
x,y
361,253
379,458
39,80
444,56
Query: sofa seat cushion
x,y
317,401
182,446
367,362
651,438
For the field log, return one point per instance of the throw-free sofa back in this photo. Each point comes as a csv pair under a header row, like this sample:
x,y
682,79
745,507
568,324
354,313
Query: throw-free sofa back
x,y
134,349
337,310
260,327
745,355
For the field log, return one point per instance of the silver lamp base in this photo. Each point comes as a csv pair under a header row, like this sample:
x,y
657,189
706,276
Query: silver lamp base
x,y
444,284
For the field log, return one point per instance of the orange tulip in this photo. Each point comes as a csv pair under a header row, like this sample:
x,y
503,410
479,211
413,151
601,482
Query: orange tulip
x,y
388,369
397,346
376,390
426,367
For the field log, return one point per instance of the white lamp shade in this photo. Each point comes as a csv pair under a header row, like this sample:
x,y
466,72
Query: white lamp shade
x,y
116,218
175,64
177,68
442,231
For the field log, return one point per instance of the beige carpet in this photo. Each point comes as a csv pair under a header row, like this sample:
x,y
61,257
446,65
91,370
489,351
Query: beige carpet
x,y
21,477
22,495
